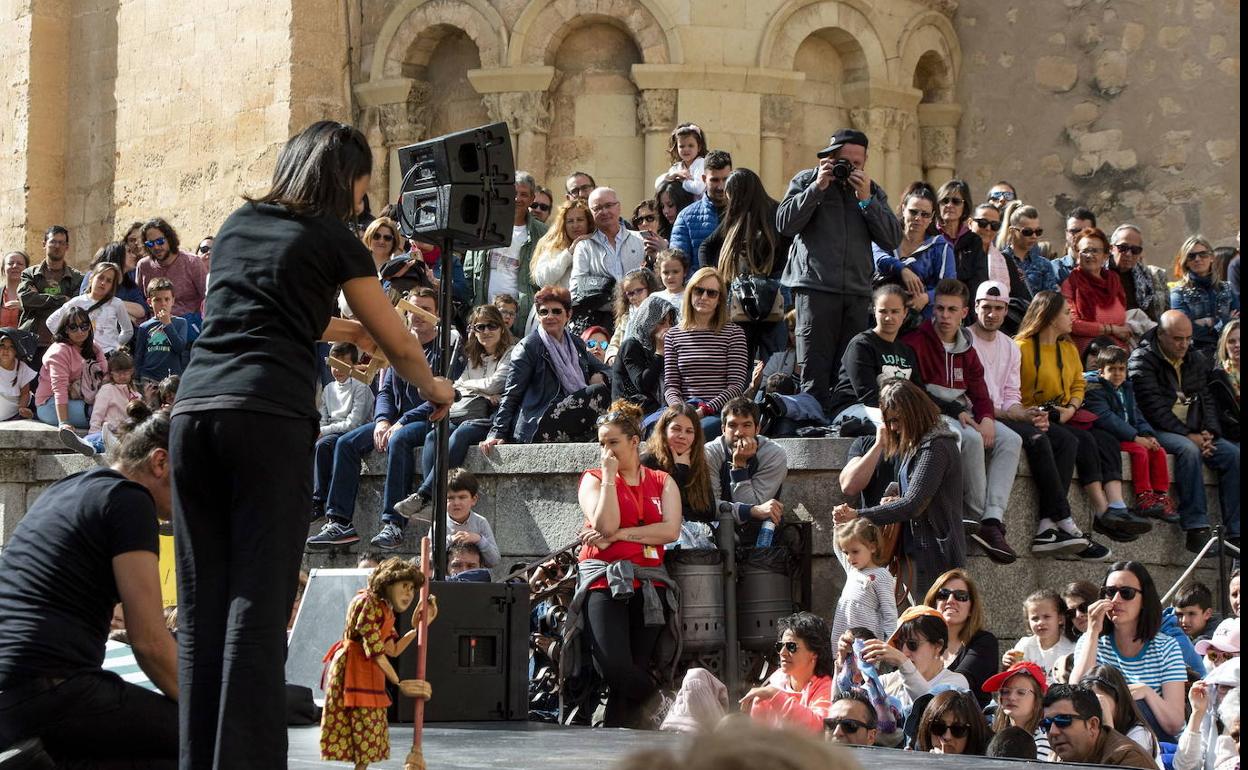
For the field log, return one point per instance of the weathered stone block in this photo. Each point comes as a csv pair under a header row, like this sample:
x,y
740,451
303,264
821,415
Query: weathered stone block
x,y
1056,73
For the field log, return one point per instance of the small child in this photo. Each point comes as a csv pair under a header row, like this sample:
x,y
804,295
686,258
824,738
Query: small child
x,y
673,267
1051,637
867,599
463,525
346,404
167,391
1114,405
509,307
15,379
1193,609
109,411
160,342
687,149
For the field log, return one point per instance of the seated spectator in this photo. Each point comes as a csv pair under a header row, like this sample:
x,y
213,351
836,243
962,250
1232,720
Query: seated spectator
x,y
952,724
552,256
1001,194
739,743
677,448
922,455
1118,709
602,260
555,389
1051,636
1143,285
922,258
346,404
1020,690
1171,387
597,340
873,358
1198,294
782,362
108,313
1193,748
916,653
705,362
1224,381
1095,294
750,469
868,599
1072,719
687,149
185,271
851,720
1123,631
507,307
1222,645
1078,597
647,221
464,526
629,293
167,391
1012,743
799,693
1078,220
108,413
57,598
10,302
127,289
700,218
673,199
160,342
15,378
400,424
673,268
973,650
785,410
462,558
1193,608
637,374
73,370
507,269
1232,588
989,264
1019,240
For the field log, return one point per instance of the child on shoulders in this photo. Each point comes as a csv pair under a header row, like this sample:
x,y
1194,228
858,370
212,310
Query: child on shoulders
x,y
687,148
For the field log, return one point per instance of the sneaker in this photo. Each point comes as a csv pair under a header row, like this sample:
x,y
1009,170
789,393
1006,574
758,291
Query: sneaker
x,y
1057,542
73,441
991,537
971,527
1150,504
388,539
1109,530
411,505
1196,539
333,533
1120,525
1094,552
1169,514
1131,522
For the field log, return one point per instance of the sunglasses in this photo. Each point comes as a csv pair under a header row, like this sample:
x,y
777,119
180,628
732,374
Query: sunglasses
x,y
988,223
951,200
698,291
849,726
157,242
599,344
1126,248
943,595
387,237
1082,609
943,728
916,214
1128,593
78,327
1061,720
1200,255
1001,195
1074,230
645,219
912,644
790,646
635,292
545,311
204,249
1027,232
485,327
539,207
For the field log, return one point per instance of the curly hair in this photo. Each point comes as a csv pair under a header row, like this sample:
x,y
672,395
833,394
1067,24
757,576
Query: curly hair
x,y
815,634
391,571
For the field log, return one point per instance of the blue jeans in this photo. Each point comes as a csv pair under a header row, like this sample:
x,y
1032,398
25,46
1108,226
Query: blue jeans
x,y
323,466
351,448
1193,505
464,436
46,412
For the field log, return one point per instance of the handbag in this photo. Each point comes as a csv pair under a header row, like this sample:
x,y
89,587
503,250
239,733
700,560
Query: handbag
x,y
593,291
756,298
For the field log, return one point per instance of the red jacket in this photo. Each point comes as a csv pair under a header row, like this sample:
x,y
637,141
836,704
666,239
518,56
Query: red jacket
x,y
954,380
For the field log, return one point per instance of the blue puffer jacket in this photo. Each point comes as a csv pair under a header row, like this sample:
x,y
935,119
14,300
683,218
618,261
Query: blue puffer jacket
x,y
693,224
532,386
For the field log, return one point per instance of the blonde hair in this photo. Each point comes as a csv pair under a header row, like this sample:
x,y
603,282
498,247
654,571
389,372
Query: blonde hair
x,y
1180,259
556,238
864,532
1015,212
720,318
1224,356
377,224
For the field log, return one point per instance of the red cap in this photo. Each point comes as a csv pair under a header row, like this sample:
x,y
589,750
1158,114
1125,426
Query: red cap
x,y
994,683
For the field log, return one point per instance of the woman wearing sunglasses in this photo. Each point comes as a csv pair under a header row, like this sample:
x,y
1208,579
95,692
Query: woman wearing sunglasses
x,y
799,693
986,222
1020,693
952,724
1095,294
922,257
73,370
1119,709
973,650
1124,631
648,219
1208,302
1019,239
953,212
596,342
1078,597
629,293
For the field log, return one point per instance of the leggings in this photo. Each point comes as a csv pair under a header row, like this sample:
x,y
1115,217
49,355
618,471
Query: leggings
x,y
622,648
572,419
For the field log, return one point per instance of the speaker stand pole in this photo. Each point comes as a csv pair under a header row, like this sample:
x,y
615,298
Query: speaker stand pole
x,y
441,468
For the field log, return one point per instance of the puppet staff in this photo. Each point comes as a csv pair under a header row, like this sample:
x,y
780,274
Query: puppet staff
x,y
415,758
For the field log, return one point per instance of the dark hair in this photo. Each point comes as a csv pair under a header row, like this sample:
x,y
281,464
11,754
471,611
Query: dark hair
x,y
1193,593
888,290
685,129
461,480
697,488
457,548
1082,698
863,633
1081,212
959,186
473,348
575,174
747,228
781,384
504,298
1110,355
917,412
718,160
55,230
625,415
317,169
345,350
168,388
166,229
815,634
144,431
25,257
114,253
120,361
1149,622
927,627
1012,743
118,278
859,697
1110,681
393,570
1222,256
680,198
1081,589
741,407
1000,182
621,305
1059,604
548,294
965,709
923,190
77,315
952,287
669,254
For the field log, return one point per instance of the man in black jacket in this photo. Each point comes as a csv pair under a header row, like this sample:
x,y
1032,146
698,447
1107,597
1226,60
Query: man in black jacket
x,y
1171,381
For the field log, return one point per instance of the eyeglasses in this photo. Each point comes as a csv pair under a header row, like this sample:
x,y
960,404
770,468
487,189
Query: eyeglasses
x,y
599,344
387,237
545,311
1128,593
157,242
1126,248
1017,692
790,646
943,595
78,327
1001,195
1027,232
1060,720
949,199
1075,230
644,219
916,214
635,292
847,725
1200,254
943,728
485,327
585,188
601,207
698,291
539,207
1091,252
988,223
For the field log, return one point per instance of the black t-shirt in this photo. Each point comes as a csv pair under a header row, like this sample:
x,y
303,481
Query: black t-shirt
x,y
274,280
57,589
885,473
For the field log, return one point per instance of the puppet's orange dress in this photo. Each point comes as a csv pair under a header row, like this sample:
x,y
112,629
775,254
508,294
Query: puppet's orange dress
x,y
353,724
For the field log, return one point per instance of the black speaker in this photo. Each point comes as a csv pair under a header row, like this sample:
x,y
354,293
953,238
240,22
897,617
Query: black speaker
x,y
459,186
478,662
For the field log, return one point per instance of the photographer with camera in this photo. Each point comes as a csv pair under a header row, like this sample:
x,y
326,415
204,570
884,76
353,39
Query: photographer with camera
x,y
833,212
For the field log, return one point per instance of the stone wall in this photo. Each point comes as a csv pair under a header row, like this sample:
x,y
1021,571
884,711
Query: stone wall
x,y
1129,108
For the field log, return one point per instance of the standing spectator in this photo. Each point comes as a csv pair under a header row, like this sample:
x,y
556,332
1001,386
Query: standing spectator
x,y
160,346
705,361
1078,220
647,221
551,264
922,257
952,222
1020,690
973,650
73,370
637,374
185,271
1119,709
989,263
1143,285
600,261
1208,302
677,448
15,378
745,245
1073,722
672,266
672,199
1224,381
830,264
506,270
1095,294
542,205
1051,637
1020,240
929,475
749,469
699,219
867,600
346,404
952,723
1001,195
687,149
1172,391
10,295
629,293
875,357
133,241
579,185
107,312
47,285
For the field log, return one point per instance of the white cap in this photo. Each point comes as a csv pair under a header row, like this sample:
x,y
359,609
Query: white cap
x,y
993,290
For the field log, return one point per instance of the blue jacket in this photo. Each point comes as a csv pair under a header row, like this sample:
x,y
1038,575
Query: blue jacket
x,y
399,401
932,261
1115,409
532,386
1170,627
1039,272
1203,298
693,224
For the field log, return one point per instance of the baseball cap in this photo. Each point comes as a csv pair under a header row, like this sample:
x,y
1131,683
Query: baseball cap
x,y
917,611
1225,638
993,290
842,137
994,683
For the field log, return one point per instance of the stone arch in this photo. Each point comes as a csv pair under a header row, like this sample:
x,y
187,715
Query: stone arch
x,y
856,36
929,36
930,62
543,25
415,27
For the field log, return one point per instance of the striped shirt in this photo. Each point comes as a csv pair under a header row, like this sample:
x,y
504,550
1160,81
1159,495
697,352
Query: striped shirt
x,y
119,659
1043,750
1160,661
866,600
704,365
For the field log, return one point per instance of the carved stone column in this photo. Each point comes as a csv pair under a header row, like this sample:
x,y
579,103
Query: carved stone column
x,y
776,118
938,140
396,113
528,115
884,127
656,112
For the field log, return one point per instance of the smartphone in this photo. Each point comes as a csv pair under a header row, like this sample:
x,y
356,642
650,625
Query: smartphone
x,y
892,490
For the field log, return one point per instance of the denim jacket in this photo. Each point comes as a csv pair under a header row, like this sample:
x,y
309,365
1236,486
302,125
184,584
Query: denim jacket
x,y
1204,298
1039,271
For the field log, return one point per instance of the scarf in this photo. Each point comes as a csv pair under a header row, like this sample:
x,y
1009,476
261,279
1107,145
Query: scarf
x,y
1145,290
645,317
566,359
1095,292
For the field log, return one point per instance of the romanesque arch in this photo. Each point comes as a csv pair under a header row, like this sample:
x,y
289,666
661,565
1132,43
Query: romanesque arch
x,y
404,38
543,25
927,35
797,19
930,62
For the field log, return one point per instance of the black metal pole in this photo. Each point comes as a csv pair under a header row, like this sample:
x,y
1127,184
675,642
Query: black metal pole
x,y
726,534
445,327
1219,532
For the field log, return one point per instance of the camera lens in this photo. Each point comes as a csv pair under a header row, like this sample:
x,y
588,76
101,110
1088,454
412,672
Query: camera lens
x,y
841,170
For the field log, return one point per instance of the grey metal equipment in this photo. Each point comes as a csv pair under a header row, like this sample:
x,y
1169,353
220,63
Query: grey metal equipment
x,y
765,596
700,575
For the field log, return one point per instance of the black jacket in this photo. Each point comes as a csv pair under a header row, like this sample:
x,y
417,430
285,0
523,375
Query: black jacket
x,y
1157,388
637,375
869,362
973,267
1226,403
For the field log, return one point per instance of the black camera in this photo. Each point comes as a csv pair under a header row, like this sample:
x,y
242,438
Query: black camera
x,y
841,169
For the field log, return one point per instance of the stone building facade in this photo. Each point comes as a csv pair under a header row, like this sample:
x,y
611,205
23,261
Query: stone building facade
x,y
123,109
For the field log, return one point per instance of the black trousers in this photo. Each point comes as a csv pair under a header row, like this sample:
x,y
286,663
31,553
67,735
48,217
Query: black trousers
x,y
825,325
92,720
1051,456
623,646
241,495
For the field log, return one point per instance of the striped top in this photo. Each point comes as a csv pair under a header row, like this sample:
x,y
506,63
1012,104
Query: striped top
x,y
1160,661
704,365
1044,752
119,659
